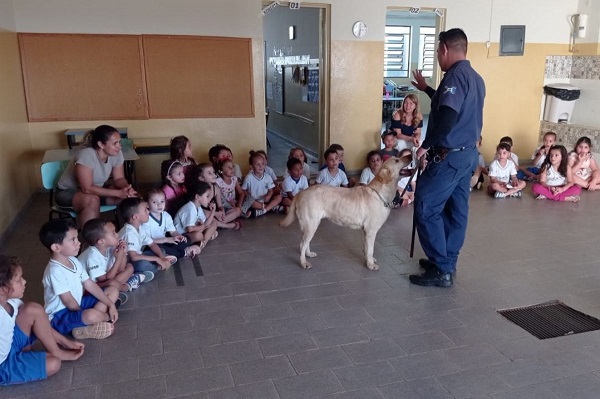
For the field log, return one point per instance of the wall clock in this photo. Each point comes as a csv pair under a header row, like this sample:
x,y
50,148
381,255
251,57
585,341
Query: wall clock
x,y
359,29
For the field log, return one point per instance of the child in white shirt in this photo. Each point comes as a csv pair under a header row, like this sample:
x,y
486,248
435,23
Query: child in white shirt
x,y
294,182
225,218
503,175
260,186
192,220
331,174
539,156
298,153
135,212
160,223
368,174
105,259
20,325
70,311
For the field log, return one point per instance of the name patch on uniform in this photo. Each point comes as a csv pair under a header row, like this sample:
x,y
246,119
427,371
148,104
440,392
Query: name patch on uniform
x,y
451,90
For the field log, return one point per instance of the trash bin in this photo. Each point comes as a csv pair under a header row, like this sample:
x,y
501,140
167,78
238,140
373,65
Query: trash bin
x,y
560,101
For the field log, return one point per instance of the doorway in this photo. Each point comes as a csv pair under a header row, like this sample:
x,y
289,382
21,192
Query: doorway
x,y
296,71
410,43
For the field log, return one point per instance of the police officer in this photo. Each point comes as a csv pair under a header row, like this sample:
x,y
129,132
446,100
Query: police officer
x,y
442,195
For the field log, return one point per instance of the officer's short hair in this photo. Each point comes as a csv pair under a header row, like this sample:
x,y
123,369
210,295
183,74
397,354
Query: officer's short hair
x,y
455,39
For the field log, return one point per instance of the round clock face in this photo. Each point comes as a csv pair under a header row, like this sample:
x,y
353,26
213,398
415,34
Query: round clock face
x,y
359,29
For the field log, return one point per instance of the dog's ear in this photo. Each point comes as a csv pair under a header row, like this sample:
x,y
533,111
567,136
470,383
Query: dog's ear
x,y
384,175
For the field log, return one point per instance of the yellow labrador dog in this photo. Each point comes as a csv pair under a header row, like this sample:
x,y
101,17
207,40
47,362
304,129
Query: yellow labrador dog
x,y
361,207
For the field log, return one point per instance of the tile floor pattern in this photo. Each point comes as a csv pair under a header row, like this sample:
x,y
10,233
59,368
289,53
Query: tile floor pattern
x,y
258,326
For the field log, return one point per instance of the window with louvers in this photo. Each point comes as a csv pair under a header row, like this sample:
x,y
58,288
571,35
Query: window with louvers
x,y
396,59
427,50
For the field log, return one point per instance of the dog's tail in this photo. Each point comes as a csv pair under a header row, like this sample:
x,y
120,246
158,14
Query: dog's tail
x,y
291,215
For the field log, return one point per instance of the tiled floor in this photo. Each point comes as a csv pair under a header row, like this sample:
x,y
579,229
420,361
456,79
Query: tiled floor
x,y
256,325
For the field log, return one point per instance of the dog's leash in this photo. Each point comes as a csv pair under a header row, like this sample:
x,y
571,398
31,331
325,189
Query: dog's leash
x,y
414,225
409,181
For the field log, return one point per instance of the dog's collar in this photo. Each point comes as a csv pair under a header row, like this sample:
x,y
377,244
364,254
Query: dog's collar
x,y
385,203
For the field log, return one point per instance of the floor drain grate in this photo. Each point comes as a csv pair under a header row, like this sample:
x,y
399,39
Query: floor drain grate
x,y
551,319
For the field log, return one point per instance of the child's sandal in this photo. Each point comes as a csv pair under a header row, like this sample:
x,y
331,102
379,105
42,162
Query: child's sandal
x,y
237,225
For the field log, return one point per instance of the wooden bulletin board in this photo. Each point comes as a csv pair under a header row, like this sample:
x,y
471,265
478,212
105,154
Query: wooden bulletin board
x,y
83,77
199,76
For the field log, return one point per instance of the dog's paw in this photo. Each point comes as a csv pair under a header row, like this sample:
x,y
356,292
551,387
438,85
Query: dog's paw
x,y
311,254
306,265
372,266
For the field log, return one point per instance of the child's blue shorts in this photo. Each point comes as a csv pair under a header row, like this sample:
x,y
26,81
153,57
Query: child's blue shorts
x,y
64,321
19,366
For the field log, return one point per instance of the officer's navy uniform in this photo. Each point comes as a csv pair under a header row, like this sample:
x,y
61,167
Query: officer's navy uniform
x,y
442,195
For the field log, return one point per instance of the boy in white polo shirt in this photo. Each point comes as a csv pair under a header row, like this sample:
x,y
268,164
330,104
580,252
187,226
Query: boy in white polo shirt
x,y
105,259
70,311
152,258
503,175
332,175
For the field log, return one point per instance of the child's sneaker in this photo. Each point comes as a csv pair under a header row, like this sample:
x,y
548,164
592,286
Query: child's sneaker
x,y
518,194
257,212
146,277
499,194
95,331
280,209
134,282
121,300
478,185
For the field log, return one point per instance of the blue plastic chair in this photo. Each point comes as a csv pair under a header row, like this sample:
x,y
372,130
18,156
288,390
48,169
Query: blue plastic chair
x,y
51,172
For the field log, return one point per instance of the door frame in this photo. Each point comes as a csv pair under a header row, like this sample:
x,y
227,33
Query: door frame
x,y
440,24
324,70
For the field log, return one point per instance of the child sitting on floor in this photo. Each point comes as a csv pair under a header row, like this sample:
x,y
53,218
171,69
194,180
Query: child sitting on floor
x,y
89,315
332,175
294,182
503,175
298,153
174,188
268,170
181,151
260,187
389,141
556,178
144,254
585,169
20,325
512,155
220,153
539,156
160,223
105,259
374,163
480,170
225,218
192,220
339,150
232,194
